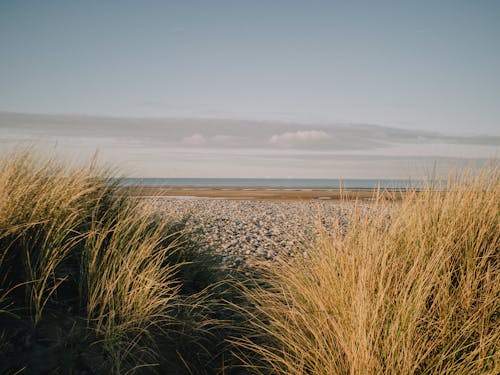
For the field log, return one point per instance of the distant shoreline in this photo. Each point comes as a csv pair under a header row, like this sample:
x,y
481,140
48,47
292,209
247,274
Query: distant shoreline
x,y
275,183
263,193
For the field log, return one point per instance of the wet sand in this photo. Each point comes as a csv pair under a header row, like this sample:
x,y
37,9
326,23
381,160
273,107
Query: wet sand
x,y
260,193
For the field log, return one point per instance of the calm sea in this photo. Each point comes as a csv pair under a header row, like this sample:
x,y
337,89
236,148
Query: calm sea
x,y
271,182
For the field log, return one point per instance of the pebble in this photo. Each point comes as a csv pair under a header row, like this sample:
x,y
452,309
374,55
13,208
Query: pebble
x,y
245,231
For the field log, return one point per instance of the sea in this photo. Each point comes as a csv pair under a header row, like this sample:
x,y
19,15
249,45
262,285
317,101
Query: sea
x,y
275,182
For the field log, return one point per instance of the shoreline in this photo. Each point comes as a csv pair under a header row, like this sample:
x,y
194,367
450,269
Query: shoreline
x,y
265,193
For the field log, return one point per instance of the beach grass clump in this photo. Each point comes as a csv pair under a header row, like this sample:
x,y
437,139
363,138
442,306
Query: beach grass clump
x,y
80,265
94,281
411,288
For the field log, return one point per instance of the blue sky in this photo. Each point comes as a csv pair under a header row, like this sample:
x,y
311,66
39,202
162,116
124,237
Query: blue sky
x,y
429,66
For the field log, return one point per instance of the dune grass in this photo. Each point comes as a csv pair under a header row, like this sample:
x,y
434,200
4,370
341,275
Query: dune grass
x,y
73,249
412,288
93,281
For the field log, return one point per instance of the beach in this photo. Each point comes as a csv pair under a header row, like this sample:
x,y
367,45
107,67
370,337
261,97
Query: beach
x,y
243,232
262,193
206,275
249,224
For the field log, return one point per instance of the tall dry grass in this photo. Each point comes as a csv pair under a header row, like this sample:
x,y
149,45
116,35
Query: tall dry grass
x,y
93,280
412,289
73,246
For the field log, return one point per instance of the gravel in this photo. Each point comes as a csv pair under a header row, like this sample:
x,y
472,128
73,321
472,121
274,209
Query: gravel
x,y
243,232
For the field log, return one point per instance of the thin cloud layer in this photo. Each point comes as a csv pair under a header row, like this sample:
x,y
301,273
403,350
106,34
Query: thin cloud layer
x,y
172,147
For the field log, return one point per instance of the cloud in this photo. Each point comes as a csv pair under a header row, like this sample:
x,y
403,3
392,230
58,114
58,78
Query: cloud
x,y
196,139
300,137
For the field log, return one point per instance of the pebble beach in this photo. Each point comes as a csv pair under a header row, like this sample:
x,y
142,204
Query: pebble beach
x,y
245,231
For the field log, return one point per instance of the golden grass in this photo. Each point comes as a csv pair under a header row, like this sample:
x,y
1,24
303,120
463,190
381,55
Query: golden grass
x,y
412,286
412,289
93,280
128,284
71,242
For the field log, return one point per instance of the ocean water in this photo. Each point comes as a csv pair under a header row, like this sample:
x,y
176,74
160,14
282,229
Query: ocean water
x,y
272,182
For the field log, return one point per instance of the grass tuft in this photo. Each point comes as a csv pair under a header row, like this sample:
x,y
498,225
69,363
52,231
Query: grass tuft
x,y
408,288
93,280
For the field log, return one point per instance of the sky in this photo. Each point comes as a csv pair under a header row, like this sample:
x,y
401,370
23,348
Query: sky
x,y
254,88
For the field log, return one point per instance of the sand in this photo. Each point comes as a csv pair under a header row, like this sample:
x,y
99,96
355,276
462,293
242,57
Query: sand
x,y
259,193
